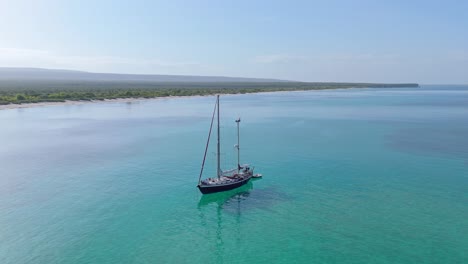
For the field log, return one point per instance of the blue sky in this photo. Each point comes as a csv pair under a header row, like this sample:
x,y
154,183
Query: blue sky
x,y
358,41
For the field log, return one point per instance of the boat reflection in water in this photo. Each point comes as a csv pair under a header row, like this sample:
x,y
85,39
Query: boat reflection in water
x,y
226,197
219,226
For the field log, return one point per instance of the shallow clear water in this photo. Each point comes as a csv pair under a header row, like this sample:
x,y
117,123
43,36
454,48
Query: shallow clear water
x,y
350,176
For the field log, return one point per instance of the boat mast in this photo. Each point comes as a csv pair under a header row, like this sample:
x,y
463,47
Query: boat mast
x,y
207,143
238,146
219,148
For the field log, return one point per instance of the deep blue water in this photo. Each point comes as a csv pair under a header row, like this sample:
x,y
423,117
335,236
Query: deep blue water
x,y
350,176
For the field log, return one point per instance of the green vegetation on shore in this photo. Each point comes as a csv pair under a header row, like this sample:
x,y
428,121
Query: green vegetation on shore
x,y
19,92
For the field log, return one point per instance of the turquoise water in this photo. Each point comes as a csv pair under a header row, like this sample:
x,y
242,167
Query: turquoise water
x,y
350,176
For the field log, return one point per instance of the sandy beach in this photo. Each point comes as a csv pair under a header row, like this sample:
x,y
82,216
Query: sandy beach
x,y
129,100
118,100
41,104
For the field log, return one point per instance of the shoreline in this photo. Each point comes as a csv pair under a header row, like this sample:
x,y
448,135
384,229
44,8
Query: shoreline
x,y
130,100
69,102
122,100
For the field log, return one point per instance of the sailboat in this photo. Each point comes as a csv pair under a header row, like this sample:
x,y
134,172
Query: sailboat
x,y
229,179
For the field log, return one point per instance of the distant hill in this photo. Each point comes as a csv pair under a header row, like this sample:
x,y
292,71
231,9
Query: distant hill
x,y
25,74
31,85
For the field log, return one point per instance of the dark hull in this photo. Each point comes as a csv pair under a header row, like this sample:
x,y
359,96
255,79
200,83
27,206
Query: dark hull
x,y
205,189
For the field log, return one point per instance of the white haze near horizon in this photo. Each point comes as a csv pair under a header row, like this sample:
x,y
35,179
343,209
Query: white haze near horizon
x,y
337,41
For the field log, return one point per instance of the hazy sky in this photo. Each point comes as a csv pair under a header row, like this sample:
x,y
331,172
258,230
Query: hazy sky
x,y
368,41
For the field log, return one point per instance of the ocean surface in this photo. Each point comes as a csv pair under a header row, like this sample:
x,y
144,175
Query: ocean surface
x,y
350,176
